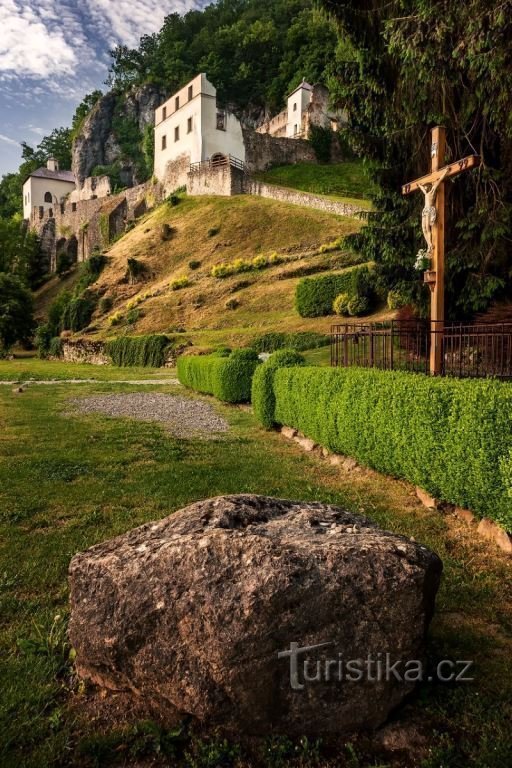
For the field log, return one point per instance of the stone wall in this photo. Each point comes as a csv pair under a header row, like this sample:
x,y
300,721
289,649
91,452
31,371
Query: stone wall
x,y
78,228
263,151
253,187
84,351
176,173
224,180
275,126
93,187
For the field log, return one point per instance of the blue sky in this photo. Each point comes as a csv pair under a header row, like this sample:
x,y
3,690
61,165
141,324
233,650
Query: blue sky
x,y
53,52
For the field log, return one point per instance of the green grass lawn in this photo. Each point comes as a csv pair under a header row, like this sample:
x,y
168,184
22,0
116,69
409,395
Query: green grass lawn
x,y
31,368
67,482
346,181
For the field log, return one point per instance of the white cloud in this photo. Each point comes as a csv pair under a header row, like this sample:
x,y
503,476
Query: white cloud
x,y
9,141
31,44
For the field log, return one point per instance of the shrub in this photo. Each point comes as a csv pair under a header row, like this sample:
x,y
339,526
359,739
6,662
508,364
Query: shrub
x,y
321,141
213,231
106,304
359,305
135,270
77,314
227,378
179,283
270,342
194,264
225,269
451,437
42,340
55,348
143,351
116,319
173,200
262,395
64,263
232,304
340,304
314,296
397,298
133,315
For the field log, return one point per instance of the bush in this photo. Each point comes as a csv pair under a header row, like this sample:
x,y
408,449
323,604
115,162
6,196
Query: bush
x,y
232,304
174,200
133,315
227,378
77,314
213,231
64,263
340,304
262,395
106,304
398,298
358,305
451,437
144,351
314,296
270,342
42,340
135,270
179,283
55,348
194,264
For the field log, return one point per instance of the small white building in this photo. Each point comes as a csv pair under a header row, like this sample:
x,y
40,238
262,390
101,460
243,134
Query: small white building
x,y
298,103
46,188
307,105
191,128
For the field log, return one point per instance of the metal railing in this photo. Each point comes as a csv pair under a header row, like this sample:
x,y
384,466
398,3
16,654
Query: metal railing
x,y
468,350
218,161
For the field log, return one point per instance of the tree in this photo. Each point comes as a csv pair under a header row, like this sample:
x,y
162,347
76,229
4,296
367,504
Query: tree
x,y
402,67
16,312
19,251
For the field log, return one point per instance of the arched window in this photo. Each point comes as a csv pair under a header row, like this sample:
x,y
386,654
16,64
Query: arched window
x,y
48,197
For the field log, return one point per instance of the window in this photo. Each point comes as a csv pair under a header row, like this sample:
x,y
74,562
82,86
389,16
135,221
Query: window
x,y
164,113
189,125
164,142
177,102
295,129
190,92
221,120
177,133
48,197
295,107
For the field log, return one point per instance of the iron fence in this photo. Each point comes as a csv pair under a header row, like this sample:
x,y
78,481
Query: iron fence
x,y
467,350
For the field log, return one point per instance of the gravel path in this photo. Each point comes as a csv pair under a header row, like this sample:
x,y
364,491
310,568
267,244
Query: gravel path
x,y
183,417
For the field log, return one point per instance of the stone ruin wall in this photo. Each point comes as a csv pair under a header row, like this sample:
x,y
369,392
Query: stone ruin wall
x,y
224,180
79,228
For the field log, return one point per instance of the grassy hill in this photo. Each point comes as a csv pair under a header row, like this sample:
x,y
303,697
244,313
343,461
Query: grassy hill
x,y
205,232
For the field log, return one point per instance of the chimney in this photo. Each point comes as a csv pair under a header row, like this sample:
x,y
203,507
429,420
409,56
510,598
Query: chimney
x,y
52,164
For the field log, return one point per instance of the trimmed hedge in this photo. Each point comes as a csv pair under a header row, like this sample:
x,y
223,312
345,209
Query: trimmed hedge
x,y
451,437
227,378
314,296
143,351
262,396
301,340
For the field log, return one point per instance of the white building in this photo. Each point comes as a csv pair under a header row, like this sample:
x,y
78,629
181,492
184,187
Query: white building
x,y
46,188
307,105
191,128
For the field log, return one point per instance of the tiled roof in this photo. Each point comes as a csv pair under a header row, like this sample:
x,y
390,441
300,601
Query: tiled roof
x,y
45,173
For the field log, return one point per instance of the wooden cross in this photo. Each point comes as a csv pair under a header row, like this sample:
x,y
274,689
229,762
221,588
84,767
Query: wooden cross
x,y
433,217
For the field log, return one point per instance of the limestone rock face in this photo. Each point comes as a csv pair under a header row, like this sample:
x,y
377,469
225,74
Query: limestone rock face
x,y
192,611
97,143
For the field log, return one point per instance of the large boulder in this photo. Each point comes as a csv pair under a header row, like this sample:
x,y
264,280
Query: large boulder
x,y
198,613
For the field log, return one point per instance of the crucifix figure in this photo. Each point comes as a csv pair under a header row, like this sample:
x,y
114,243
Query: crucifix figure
x,y
432,224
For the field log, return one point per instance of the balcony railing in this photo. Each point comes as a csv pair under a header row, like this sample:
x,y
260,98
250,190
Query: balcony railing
x,y
218,161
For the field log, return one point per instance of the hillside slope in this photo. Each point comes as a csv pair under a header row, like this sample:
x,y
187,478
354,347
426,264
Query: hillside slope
x,y
206,232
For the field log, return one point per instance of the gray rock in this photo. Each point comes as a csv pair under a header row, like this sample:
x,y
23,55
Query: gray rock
x,y
192,611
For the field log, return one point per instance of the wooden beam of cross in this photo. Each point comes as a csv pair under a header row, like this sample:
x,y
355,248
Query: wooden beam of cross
x,y
432,222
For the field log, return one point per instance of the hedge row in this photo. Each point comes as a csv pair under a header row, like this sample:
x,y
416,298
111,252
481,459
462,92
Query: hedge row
x,y
227,378
300,341
262,395
143,351
451,437
314,296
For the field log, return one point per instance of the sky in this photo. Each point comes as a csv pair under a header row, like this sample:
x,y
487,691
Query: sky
x,y
53,52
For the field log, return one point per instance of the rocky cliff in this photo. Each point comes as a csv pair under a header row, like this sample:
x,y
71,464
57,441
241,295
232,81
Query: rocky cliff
x,y
111,137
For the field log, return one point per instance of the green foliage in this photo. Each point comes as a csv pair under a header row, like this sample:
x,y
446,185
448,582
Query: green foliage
x,y
255,52
42,340
16,312
113,172
194,264
82,111
20,252
344,180
340,304
78,312
145,351
314,296
299,341
321,141
133,315
213,231
232,303
398,297
174,200
135,270
106,304
418,65
451,437
262,394
55,347
227,378
104,225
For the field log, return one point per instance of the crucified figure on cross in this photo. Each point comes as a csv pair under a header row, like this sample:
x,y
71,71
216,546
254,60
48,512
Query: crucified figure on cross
x,y
429,212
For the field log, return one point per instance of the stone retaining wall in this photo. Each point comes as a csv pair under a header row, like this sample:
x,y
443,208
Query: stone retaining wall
x,y
84,351
262,189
